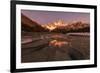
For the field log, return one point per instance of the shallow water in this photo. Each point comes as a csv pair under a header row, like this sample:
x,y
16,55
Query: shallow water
x,y
55,47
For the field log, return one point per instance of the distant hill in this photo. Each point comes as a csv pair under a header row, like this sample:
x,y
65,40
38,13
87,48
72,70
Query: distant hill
x,y
61,26
73,27
29,25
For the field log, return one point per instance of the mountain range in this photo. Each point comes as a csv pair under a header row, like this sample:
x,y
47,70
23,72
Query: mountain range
x,y
58,26
61,26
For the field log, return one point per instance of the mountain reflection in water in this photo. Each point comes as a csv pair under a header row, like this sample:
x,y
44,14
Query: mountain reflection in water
x,y
41,47
58,43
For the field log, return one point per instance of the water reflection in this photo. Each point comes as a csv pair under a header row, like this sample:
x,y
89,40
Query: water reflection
x,y
58,43
26,39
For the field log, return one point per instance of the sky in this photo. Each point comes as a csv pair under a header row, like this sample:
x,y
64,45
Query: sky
x,y
44,17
